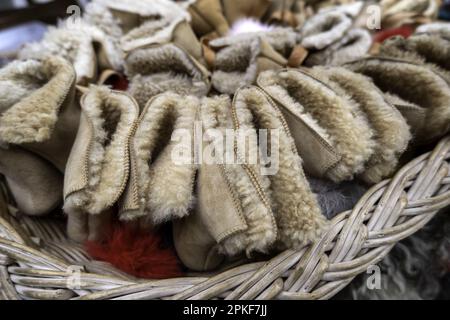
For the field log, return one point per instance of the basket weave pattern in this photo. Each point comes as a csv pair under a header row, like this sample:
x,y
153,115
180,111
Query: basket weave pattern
x,y
36,258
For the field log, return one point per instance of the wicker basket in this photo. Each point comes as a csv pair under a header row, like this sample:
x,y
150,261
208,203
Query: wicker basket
x,y
37,261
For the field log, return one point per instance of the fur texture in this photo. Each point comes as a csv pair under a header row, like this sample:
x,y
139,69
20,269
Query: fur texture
x,y
31,94
158,18
262,231
430,49
334,116
165,189
391,132
355,44
236,61
297,213
76,41
437,28
414,83
323,29
112,117
164,68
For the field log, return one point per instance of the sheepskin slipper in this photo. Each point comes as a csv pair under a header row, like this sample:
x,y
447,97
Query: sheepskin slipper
x,y
207,17
332,134
424,95
98,167
38,108
162,68
391,131
239,59
35,184
396,13
238,219
136,23
160,189
297,213
324,29
87,47
355,44
421,48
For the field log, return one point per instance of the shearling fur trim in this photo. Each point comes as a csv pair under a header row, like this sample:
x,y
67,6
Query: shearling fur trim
x,y
281,39
31,95
297,213
334,116
112,117
414,83
75,41
165,188
159,69
355,44
261,232
392,133
236,66
159,19
324,29
430,49
436,28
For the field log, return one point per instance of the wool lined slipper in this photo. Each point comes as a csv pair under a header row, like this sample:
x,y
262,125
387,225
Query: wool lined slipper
x,y
162,68
98,168
87,47
432,50
324,29
160,187
355,44
238,219
391,131
136,23
207,17
239,63
236,9
331,133
297,213
35,184
416,84
38,108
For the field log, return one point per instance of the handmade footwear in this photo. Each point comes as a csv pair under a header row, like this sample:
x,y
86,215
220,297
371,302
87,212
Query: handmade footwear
x,y
239,59
38,108
417,86
324,29
391,131
331,133
297,213
161,68
236,9
238,219
354,44
136,23
396,13
160,187
98,168
421,48
87,47
35,184
207,17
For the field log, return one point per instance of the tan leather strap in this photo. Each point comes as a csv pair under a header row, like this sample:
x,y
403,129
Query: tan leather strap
x,y
297,57
208,53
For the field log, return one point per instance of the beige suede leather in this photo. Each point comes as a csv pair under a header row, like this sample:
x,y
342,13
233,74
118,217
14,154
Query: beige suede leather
x,y
41,111
311,108
98,166
35,184
207,16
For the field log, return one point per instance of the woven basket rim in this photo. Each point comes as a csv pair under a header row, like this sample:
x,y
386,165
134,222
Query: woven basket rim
x,y
389,212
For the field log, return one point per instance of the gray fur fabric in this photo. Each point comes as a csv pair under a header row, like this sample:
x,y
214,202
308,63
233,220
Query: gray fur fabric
x,y
414,269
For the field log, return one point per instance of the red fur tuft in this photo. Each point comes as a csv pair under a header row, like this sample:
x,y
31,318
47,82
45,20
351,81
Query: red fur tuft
x,y
137,252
